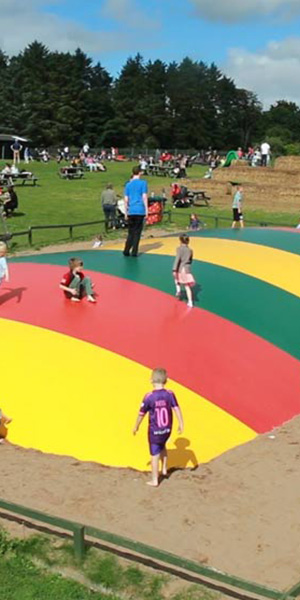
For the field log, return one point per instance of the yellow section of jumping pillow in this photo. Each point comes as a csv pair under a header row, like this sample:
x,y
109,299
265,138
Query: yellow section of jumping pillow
x,y
69,397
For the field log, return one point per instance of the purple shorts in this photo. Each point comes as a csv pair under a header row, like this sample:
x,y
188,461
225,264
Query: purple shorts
x,y
156,449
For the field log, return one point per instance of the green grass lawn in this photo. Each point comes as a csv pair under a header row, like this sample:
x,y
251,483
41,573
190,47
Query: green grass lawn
x,y
21,579
44,568
57,201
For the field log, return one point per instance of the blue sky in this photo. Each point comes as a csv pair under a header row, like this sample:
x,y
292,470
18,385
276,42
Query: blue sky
x,y
257,42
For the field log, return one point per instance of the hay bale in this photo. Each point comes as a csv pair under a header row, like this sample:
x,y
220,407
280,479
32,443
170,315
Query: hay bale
x,y
271,189
238,164
287,163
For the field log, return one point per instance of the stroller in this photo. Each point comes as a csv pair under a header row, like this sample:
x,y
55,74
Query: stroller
x,y
121,222
156,206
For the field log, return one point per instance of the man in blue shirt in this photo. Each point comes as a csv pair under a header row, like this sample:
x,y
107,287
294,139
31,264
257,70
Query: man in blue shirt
x,y
136,209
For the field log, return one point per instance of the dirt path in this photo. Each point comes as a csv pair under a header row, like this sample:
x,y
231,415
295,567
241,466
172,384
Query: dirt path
x,y
88,245
240,513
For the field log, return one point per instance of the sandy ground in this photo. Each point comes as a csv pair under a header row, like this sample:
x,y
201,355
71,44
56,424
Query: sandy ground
x,y
239,513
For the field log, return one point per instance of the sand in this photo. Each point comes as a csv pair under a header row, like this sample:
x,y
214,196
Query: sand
x,y
239,513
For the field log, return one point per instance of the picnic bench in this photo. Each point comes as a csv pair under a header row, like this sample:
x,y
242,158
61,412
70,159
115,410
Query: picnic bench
x,y
71,173
198,197
21,178
160,170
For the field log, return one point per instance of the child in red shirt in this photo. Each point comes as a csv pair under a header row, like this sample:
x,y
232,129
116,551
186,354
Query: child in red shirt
x,y
75,284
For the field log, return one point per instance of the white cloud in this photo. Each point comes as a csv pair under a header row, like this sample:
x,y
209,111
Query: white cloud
x,y
272,73
234,11
21,26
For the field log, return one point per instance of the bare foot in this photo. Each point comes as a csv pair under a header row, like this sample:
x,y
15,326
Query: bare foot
x,y
164,473
152,483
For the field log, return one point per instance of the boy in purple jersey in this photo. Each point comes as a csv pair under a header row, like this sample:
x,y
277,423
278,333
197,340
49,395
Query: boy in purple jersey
x,y
160,404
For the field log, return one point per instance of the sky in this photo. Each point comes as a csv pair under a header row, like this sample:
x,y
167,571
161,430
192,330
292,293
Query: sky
x,y
256,42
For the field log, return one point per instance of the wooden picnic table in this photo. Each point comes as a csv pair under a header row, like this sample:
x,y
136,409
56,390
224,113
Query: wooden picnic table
x,y
160,170
198,197
22,178
71,173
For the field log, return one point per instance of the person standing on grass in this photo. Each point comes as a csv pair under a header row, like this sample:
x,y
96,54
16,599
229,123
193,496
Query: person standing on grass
x,y
160,404
109,204
136,210
237,208
16,148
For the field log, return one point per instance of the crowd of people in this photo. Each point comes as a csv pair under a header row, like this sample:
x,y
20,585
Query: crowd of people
x,y
256,157
85,156
177,163
83,159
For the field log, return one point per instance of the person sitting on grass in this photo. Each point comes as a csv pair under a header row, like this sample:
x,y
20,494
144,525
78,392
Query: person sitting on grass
x,y
75,284
14,170
6,170
10,201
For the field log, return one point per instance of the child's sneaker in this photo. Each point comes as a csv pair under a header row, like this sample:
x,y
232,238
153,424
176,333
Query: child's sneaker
x,y
91,299
190,304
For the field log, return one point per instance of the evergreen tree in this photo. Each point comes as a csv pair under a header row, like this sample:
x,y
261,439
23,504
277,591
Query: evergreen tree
x,y
58,98
189,104
283,120
69,76
99,107
30,103
5,100
130,126
160,126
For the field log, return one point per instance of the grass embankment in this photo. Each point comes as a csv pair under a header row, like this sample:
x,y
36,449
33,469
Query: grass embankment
x,y
43,568
57,201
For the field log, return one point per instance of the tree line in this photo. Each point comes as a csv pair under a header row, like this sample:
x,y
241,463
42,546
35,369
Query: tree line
x,y
56,98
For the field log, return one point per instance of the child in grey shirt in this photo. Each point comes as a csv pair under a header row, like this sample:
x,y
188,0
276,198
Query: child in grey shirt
x,y
182,269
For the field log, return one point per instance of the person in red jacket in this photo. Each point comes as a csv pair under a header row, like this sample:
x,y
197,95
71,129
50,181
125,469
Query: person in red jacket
x,y
75,284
